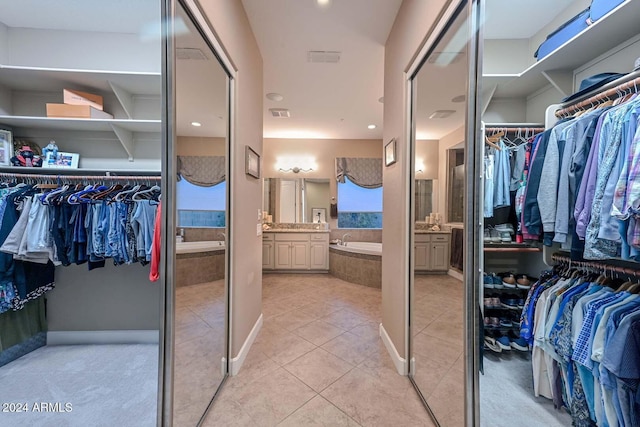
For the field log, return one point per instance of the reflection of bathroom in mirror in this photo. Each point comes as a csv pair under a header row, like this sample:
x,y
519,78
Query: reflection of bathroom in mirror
x,y
436,295
295,200
201,202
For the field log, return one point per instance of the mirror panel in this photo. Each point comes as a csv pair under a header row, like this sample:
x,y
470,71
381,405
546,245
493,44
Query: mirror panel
x,y
201,204
436,298
296,200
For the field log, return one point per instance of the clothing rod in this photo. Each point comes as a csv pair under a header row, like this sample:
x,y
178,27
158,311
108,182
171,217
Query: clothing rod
x,y
518,129
620,266
7,175
513,125
607,92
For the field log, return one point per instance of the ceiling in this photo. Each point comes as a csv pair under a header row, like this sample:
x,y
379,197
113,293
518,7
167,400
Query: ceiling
x,y
325,100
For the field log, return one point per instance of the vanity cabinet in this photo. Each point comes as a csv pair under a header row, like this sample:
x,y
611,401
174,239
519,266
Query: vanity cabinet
x,y
268,253
319,252
432,251
295,251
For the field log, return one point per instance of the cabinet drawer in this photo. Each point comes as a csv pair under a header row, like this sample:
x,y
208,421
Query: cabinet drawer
x,y
292,237
320,237
440,238
422,238
268,237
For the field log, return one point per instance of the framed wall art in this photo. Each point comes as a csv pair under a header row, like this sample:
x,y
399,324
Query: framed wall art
x,y
390,153
251,162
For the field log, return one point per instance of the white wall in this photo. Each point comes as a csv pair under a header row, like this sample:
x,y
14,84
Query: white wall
x,y
410,29
82,50
231,25
505,110
618,60
427,157
496,62
4,47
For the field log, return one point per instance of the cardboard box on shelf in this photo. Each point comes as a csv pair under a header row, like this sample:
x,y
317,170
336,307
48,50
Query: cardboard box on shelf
x,y
76,97
76,111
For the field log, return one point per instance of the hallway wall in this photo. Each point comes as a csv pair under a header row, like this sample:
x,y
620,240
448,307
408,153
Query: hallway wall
x,y
231,25
410,29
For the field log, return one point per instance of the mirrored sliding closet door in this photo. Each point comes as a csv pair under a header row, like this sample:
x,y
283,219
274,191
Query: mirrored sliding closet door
x,y
201,147
441,89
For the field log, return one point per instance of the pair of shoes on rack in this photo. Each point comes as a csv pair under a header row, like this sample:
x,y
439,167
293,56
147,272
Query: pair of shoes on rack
x,y
524,282
492,302
508,280
491,281
492,344
491,235
491,322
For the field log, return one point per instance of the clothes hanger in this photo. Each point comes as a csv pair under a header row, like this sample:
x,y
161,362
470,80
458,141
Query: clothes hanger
x,y
137,196
120,196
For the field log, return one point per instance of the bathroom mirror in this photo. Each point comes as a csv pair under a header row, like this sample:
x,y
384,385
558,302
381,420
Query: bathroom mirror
x,y
202,105
297,200
437,338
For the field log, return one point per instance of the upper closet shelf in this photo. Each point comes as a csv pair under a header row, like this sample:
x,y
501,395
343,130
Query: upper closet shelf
x,y
617,26
55,123
56,79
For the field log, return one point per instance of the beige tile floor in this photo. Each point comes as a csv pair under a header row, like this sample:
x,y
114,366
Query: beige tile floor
x,y
438,346
199,349
318,361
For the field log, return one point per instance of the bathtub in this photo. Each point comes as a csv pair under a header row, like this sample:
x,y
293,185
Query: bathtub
x,y
195,247
367,248
199,262
357,262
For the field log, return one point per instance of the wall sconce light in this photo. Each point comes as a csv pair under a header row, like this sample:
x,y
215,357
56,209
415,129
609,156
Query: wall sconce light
x,y
296,164
419,167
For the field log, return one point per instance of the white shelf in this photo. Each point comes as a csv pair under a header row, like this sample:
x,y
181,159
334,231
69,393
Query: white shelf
x,y
79,171
104,125
617,26
56,79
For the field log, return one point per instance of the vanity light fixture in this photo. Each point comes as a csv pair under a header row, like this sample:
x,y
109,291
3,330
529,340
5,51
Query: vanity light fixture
x,y
371,127
419,167
296,164
323,3
196,124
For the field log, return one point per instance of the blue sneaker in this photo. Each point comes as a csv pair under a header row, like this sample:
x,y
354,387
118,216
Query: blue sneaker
x,y
504,342
519,344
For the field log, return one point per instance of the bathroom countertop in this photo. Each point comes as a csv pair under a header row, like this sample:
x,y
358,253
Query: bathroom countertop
x,y
293,230
432,232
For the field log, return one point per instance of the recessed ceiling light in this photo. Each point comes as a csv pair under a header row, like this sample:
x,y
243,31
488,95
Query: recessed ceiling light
x,y
275,96
381,100
323,3
371,126
459,98
441,114
196,124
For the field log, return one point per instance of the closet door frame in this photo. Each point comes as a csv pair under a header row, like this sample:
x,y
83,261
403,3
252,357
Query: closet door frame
x,y
169,172
473,219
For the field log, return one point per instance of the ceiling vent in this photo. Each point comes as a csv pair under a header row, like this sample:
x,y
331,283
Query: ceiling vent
x,y
281,113
190,53
445,58
441,114
328,56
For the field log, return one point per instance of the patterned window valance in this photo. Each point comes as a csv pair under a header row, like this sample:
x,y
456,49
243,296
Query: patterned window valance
x,y
364,172
205,171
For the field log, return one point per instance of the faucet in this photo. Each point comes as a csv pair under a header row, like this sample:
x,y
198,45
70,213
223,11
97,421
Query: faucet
x,y
344,238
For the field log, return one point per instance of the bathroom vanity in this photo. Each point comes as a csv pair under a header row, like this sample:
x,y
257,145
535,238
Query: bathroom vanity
x,y
295,250
432,251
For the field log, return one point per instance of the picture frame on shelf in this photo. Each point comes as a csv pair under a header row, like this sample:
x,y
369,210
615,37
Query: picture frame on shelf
x,y
6,147
390,152
319,215
61,160
251,163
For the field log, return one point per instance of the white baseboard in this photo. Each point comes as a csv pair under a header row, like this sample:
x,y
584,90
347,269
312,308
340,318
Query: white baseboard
x,y
455,274
236,363
103,337
399,362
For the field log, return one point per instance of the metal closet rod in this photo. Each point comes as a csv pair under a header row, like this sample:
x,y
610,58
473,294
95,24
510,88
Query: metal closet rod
x,y
9,175
507,129
629,86
598,265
